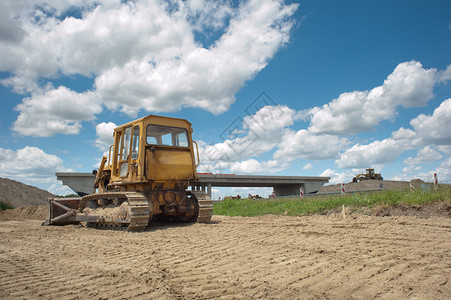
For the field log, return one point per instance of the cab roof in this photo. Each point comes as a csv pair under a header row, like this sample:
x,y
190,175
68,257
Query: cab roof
x,y
157,120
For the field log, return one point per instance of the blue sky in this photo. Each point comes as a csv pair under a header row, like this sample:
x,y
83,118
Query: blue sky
x,y
309,88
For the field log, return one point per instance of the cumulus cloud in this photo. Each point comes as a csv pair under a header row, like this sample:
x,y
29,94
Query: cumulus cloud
x,y
409,169
30,165
444,171
104,133
307,166
266,130
409,86
433,129
245,191
424,155
445,149
250,136
305,145
142,54
250,166
427,130
377,152
445,75
240,154
336,177
200,77
56,111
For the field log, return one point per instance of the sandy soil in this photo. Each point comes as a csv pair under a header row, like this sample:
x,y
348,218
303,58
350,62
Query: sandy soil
x,y
273,257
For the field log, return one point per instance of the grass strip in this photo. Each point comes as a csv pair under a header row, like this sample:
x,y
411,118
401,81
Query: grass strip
x,y
319,204
5,206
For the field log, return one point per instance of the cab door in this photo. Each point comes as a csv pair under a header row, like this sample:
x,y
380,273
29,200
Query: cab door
x,y
128,154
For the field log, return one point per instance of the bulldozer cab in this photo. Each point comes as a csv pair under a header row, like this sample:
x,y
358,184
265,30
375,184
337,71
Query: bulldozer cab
x,y
370,172
153,148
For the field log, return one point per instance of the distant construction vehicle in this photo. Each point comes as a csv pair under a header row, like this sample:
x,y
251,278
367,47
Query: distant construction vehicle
x,y
146,175
369,175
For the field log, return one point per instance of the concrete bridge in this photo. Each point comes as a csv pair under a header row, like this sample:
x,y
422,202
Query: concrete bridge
x,y
82,183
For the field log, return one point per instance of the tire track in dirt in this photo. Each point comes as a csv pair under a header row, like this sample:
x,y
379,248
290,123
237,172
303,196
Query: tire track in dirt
x,y
232,258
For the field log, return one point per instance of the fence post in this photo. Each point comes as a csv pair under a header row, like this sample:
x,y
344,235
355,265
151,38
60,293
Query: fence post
x,y
343,190
435,181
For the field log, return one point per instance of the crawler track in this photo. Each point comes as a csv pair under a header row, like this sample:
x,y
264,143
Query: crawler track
x,y
205,207
130,211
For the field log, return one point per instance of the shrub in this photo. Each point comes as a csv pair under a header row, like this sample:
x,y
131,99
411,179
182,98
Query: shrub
x,y
5,206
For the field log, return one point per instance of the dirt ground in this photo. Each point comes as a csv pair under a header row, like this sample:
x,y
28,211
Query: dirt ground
x,y
271,257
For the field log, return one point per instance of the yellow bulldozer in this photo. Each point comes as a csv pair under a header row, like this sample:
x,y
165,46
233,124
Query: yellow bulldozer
x,y
367,176
145,176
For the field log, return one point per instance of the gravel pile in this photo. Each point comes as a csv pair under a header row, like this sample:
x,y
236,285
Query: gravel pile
x,y
369,185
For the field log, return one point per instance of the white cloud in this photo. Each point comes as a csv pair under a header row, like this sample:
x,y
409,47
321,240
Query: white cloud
x,y
424,155
308,166
377,152
56,111
336,177
303,144
30,165
444,171
445,75
142,54
409,85
264,131
208,14
244,192
445,149
327,173
104,133
427,130
58,188
433,129
251,136
409,169
250,166
200,77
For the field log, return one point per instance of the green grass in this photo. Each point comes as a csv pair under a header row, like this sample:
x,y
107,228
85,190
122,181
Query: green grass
x,y
319,204
5,206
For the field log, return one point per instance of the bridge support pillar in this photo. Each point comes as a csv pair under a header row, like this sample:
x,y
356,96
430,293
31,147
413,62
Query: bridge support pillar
x,y
288,190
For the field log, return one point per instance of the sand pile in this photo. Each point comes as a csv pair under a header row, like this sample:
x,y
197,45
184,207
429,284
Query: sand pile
x,y
18,194
24,213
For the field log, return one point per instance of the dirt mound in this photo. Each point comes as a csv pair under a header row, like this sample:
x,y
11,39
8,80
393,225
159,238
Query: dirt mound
x,y
436,209
18,194
430,210
370,185
25,212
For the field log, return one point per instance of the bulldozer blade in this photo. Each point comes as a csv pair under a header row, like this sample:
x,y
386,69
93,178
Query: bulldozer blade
x,y
62,211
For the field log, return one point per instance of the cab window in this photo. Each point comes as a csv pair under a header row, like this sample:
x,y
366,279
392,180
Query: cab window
x,y
167,136
135,143
126,145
